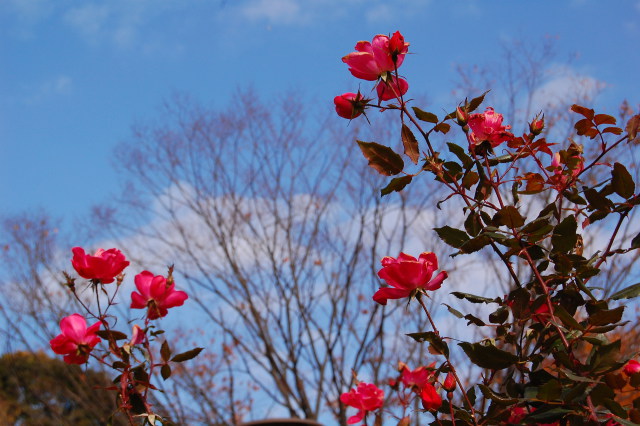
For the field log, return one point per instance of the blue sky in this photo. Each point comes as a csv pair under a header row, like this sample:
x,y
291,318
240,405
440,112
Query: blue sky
x,y
75,75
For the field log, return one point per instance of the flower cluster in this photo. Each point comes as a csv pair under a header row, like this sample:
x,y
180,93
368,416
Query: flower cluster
x,y
156,294
366,397
377,60
421,381
565,168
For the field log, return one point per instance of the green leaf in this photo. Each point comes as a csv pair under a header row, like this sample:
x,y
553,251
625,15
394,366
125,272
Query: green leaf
x,y
545,415
507,158
469,179
455,312
567,319
425,116
607,316
508,216
459,152
410,144
488,356
474,320
436,342
185,356
550,391
113,334
165,351
597,200
472,297
475,102
564,235
165,371
627,293
498,398
442,128
396,184
382,158
472,224
454,237
475,244
615,408
500,315
622,181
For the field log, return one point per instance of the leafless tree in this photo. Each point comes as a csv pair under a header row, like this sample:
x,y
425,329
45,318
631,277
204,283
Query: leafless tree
x,y
276,225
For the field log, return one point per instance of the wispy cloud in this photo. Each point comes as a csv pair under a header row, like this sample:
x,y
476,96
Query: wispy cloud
x,y
275,11
564,85
56,86
305,12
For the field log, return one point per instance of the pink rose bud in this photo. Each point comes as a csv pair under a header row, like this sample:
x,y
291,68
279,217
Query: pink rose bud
x,y
397,46
406,274
137,336
350,105
76,340
104,266
431,400
536,126
449,382
632,367
461,116
392,88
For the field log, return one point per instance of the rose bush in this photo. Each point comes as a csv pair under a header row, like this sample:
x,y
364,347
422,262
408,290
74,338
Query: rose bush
x,y
135,361
547,357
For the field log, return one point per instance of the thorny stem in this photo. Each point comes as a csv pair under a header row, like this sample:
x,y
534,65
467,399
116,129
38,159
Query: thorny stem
x,y
604,256
451,367
458,190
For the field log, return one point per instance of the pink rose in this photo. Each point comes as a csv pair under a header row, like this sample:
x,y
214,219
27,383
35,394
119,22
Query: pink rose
x,y
350,105
103,266
392,88
632,367
416,379
488,127
431,400
137,335
371,60
406,274
76,340
156,295
366,397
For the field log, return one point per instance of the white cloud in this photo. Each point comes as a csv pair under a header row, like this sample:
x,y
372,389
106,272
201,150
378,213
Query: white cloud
x,y
564,85
61,85
275,11
88,19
